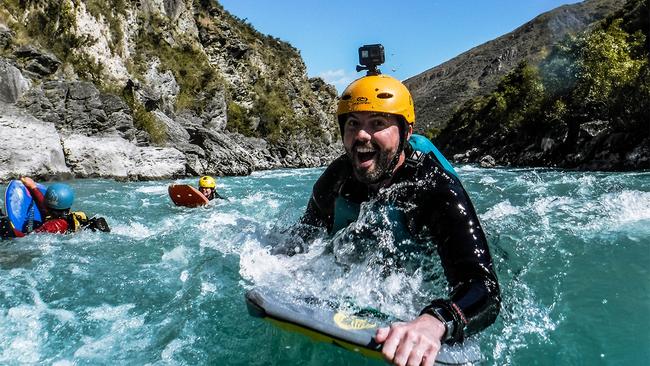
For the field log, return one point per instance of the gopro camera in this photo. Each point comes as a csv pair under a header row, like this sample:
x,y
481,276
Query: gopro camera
x,y
371,56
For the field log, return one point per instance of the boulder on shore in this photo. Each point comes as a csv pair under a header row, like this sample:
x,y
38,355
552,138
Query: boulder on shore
x,y
29,147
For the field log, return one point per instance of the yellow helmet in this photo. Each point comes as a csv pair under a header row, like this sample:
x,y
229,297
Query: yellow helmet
x,y
377,93
207,182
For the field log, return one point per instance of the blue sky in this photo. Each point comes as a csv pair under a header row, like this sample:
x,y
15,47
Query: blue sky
x,y
416,35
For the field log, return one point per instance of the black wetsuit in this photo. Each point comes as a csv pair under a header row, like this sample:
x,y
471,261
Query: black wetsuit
x,y
438,210
214,195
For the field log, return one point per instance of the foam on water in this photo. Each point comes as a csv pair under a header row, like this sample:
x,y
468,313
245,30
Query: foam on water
x,y
157,190
285,173
627,207
178,255
135,230
500,211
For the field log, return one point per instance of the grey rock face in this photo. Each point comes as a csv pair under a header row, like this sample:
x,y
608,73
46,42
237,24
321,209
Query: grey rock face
x,y
164,88
119,115
40,62
215,113
12,83
114,157
82,90
466,157
640,156
547,144
29,147
594,128
175,132
79,107
149,97
173,8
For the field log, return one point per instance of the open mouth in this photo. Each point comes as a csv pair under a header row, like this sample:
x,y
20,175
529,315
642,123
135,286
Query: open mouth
x,y
365,154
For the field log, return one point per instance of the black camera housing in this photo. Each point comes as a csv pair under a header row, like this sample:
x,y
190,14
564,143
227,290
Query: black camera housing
x,y
371,56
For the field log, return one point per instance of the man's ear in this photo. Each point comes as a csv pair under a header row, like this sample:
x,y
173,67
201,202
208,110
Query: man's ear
x,y
409,132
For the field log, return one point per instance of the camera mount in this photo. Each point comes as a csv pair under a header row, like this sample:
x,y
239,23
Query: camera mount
x,y
371,56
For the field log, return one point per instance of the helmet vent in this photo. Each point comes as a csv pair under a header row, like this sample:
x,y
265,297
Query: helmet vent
x,y
347,97
384,95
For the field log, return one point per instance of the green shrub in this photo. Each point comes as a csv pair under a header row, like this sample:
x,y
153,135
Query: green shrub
x,y
432,133
238,120
145,120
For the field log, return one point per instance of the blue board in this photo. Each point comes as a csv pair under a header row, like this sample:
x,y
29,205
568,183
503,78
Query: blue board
x,y
20,206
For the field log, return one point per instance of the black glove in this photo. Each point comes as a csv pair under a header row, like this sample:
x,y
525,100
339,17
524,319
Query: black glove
x,y
98,223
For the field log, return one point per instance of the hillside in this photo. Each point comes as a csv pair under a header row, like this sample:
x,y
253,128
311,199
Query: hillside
x,y
151,89
438,91
584,106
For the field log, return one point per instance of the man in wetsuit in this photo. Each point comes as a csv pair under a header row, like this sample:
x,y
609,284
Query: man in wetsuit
x,y
208,187
55,210
376,118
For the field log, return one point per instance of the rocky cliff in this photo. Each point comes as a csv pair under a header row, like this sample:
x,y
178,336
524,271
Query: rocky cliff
x,y
153,89
438,91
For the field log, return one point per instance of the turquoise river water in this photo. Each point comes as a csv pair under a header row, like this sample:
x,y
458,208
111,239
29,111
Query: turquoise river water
x,y
165,287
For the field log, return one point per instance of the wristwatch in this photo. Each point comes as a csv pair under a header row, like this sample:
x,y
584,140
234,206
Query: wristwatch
x,y
445,317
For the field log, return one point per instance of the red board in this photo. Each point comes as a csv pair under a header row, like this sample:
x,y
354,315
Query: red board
x,y
188,196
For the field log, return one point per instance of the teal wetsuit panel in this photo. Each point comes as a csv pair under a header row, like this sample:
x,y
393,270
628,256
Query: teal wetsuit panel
x,y
345,213
424,145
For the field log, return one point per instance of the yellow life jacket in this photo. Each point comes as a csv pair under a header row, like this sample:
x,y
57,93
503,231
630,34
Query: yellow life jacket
x,y
77,221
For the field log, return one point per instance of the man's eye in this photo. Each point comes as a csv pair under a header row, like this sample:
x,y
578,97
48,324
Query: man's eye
x,y
351,123
379,123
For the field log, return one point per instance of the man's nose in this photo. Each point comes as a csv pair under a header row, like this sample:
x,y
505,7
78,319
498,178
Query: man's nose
x,y
363,134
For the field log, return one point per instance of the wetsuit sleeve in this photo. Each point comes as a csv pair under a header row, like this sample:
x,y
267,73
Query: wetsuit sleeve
x,y
474,301
217,195
38,197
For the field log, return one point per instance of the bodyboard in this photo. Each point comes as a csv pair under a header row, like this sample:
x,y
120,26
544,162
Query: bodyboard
x,y
20,206
185,195
347,327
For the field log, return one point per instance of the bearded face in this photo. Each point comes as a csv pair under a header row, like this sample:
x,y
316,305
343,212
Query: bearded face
x,y
371,142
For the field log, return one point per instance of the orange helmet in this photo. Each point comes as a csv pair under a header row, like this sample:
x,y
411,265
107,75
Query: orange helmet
x,y
377,93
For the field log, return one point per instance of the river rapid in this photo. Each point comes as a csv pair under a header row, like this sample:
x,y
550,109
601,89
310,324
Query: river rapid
x,y
166,286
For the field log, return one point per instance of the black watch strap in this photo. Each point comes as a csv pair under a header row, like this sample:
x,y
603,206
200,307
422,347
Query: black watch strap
x,y
445,317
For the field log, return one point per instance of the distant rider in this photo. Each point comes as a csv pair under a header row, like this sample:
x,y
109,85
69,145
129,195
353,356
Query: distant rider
x,y
55,206
376,118
208,187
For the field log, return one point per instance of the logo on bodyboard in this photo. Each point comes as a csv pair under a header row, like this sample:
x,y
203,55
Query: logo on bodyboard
x,y
351,322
